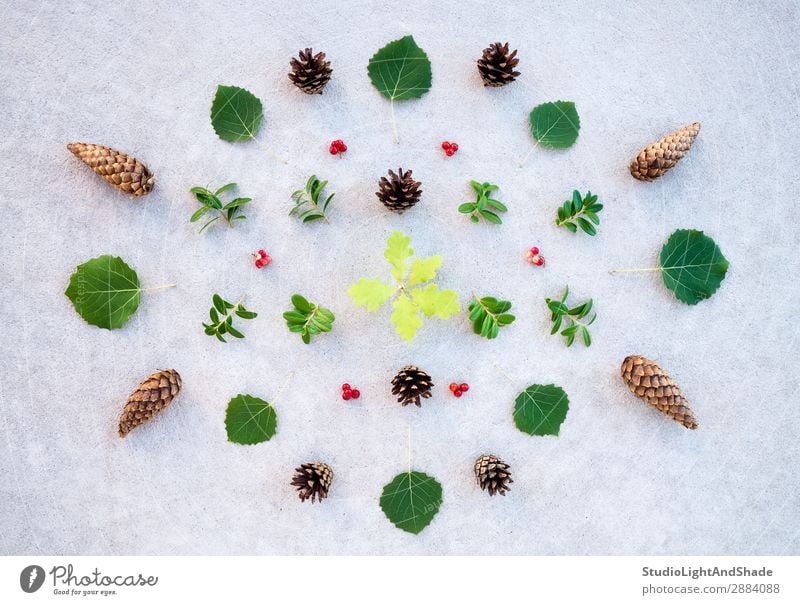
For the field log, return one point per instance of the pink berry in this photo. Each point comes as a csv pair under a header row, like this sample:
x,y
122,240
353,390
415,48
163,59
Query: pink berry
x,y
464,387
345,387
267,259
539,261
454,147
446,145
347,395
262,253
449,152
534,250
457,393
259,263
356,393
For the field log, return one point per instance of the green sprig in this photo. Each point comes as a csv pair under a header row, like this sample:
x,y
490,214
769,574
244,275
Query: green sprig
x,y
575,212
484,206
307,205
308,319
211,203
488,315
221,314
571,318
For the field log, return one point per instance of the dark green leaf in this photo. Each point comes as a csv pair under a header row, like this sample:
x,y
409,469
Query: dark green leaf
x,y
541,409
250,420
400,70
555,125
692,265
236,114
105,291
411,500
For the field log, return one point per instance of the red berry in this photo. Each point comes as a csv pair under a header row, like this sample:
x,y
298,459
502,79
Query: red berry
x,y
260,263
453,386
539,261
457,393
464,387
340,145
534,250
262,253
446,145
356,393
333,150
347,395
267,259
345,387
454,147
450,152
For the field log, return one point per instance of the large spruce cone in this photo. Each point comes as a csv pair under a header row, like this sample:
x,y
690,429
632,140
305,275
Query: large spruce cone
x,y
496,66
410,384
313,480
493,474
648,381
310,72
118,169
149,398
657,158
399,192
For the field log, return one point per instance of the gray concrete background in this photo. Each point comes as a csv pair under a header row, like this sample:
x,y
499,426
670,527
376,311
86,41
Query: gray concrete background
x,y
621,479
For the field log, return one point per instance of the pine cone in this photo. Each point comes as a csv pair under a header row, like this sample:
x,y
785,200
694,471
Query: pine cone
x,y
399,192
648,381
410,384
313,480
310,72
657,158
493,474
496,66
120,170
149,398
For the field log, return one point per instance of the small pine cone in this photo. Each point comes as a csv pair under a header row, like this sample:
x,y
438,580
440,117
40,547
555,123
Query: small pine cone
x,y
496,66
657,158
149,398
648,381
118,169
410,384
399,192
310,72
313,480
493,474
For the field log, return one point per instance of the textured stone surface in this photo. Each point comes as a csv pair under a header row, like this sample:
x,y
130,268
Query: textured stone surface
x,y
620,479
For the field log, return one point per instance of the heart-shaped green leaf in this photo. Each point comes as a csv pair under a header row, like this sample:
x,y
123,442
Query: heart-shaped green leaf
x,y
411,500
555,124
236,113
104,291
692,265
540,409
400,70
250,420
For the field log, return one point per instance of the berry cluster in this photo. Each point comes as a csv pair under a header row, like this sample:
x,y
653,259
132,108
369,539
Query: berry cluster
x,y
262,259
348,393
449,148
459,389
533,257
337,147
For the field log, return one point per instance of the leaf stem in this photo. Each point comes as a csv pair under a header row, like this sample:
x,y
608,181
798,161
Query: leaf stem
x,y
285,384
508,377
270,152
635,270
154,288
527,155
395,134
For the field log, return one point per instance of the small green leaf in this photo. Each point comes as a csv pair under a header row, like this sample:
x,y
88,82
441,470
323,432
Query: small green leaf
x,y
397,252
555,124
433,301
467,207
218,303
250,420
541,409
424,270
105,291
301,303
491,217
200,212
586,226
406,318
371,293
411,500
236,113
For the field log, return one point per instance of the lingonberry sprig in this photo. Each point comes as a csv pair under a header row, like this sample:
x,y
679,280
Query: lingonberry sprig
x,y
308,205
458,389
349,393
569,214
262,259
308,319
533,257
449,148
210,202
484,206
488,315
221,314
337,147
561,313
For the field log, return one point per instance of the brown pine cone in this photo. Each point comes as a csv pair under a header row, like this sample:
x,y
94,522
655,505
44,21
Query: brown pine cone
x,y
496,66
313,480
310,72
648,381
657,158
410,384
399,192
493,474
118,169
149,398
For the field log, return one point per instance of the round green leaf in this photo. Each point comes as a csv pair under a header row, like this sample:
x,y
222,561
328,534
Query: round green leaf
x,y
555,125
692,265
250,420
236,113
104,291
400,70
411,500
540,409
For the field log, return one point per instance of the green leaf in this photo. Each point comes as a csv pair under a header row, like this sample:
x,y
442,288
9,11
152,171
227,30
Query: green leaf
x,y
105,291
200,212
406,318
307,207
250,420
400,70
491,217
398,251
411,500
236,114
497,205
301,303
692,265
540,409
308,318
555,124
467,207
424,270
371,293
586,226
433,301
